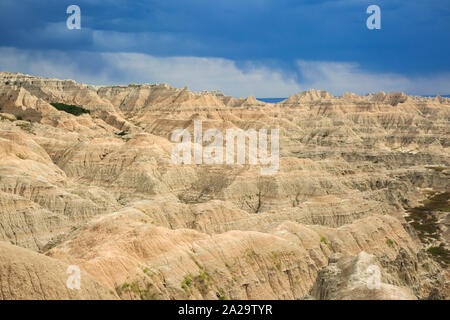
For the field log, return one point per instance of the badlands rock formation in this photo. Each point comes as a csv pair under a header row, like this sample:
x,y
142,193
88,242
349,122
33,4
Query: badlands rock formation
x,y
363,183
354,278
25,274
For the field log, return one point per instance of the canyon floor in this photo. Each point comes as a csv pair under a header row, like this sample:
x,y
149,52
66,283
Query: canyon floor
x,y
86,179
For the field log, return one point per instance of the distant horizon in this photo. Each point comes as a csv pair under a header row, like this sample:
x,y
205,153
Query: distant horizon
x,y
263,99
284,98
277,100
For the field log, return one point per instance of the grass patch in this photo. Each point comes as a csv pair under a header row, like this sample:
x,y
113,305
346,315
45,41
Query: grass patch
x,y
424,221
25,127
202,281
186,284
70,108
438,202
422,218
276,259
324,241
134,290
51,244
250,253
221,295
390,243
440,254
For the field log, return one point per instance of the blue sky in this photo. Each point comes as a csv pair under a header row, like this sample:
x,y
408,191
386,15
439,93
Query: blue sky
x,y
242,47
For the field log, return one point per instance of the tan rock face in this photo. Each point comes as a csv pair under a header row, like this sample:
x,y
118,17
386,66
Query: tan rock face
x,y
100,191
27,275
280,263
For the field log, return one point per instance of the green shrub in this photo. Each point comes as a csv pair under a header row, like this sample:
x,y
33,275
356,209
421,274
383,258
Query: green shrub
x,y
440,254
390,243
70,108
250,253
221,295
423,219
328,244
135,290
186,283
202,281
26,127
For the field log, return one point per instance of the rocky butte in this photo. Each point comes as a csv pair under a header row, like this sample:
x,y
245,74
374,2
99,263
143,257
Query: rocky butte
x,y
86,179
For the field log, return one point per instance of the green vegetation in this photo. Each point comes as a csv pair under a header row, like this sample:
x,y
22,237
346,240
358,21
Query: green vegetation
x,y
221,295
324,241
186,284
441,254
390,243
25,127
276,258
70,108
201,282
250,253
21,156
422,218
51,244
438,202
135,291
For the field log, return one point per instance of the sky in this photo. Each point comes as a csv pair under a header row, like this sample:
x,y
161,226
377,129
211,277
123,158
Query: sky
x,y
264,48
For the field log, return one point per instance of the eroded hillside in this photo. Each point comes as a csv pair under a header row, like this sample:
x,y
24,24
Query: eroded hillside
x,y
362,181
